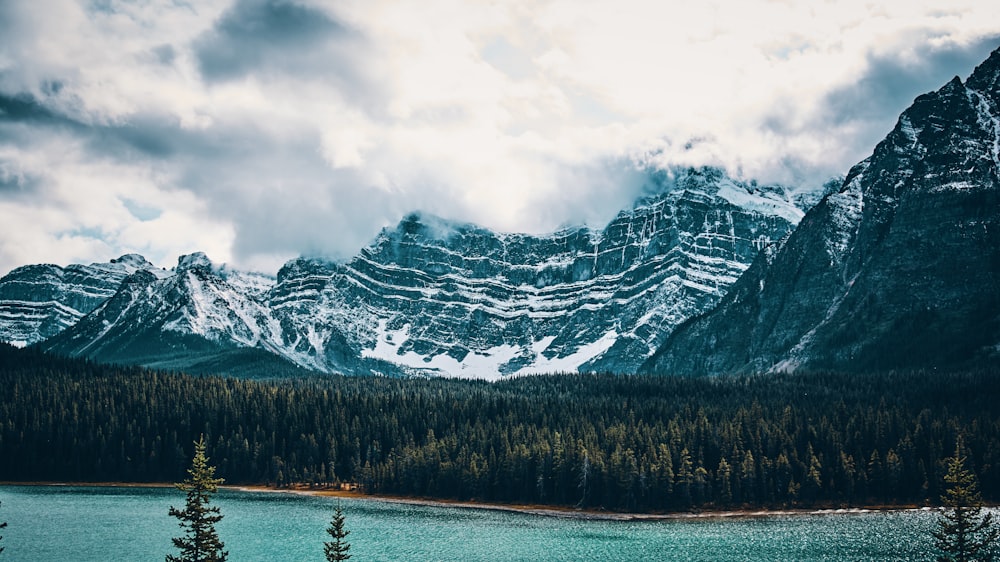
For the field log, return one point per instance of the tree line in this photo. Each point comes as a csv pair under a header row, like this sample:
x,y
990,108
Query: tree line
x,y
640,443
963,533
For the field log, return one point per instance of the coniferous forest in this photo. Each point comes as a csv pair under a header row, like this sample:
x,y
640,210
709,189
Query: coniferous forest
x,y
637,443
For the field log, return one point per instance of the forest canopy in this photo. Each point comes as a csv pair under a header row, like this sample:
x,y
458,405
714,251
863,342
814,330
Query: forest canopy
x,y
638,443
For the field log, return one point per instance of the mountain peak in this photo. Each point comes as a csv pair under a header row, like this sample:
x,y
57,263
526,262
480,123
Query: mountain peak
x,y
986,76
898,270
136,261
713,182
432,227
191,261
303,266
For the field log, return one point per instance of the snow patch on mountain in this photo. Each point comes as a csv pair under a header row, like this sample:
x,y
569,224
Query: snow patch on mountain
x,y
765,203
489,364
570,363
486,365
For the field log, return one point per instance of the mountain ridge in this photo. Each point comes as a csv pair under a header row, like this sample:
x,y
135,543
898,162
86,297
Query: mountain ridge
x,y
39,301
509,303
436,297
898,269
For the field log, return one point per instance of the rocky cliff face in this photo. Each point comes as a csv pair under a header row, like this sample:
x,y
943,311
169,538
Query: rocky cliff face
x,y
444,298
440,298
900,268
39,301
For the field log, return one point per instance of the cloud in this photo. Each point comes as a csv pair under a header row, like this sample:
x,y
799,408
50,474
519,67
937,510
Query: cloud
x,y
274,35
891,78
865,110
22,108
81,208
257,130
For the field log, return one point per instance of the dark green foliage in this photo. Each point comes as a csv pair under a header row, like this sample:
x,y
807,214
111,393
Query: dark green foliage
x,y
338,547
619,443
200,542
964,533
3,525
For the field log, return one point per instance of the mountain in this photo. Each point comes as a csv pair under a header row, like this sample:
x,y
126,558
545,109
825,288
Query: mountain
x,y
197,317
39,301
435,297
445,298
899,269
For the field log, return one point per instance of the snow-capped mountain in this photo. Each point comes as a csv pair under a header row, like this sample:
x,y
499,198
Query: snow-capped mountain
x,y
442,298
455,299
183,319
39,301
899,269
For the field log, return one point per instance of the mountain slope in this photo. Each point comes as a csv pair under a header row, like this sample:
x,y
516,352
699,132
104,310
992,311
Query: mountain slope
x,y
196,318
455,299
39,301
900,268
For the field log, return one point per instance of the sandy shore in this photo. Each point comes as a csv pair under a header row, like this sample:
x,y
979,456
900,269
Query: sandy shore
x,y
572,513
540,510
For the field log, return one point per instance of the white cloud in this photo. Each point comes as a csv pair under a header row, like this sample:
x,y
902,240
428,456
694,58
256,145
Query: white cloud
x,y
77,210
267,128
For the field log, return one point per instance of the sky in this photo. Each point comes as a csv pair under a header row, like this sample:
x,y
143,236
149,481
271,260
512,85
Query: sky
x,y
261,130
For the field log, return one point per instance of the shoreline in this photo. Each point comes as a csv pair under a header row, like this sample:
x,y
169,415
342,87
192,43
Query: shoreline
x,y
527,509
591,514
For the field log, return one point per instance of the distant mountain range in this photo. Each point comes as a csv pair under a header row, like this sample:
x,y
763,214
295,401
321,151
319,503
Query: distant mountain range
x,y
897,267
428,297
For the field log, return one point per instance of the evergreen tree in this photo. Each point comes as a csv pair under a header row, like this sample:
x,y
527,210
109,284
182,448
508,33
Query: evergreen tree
x,y
201,542
338,547
584,483
964,534
2,526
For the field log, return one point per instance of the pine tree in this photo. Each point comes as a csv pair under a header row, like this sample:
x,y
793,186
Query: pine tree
x,y
964,534
338,547
584,482
201,542
2,526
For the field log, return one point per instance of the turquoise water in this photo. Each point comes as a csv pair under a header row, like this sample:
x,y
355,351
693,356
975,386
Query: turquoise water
x,y
105,524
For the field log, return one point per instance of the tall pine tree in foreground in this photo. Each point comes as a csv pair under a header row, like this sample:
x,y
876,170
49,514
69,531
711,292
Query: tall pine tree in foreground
x,y
2,526
200,542
964,533
338,547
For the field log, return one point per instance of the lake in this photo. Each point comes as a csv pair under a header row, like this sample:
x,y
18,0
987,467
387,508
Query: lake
x,y
121,523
